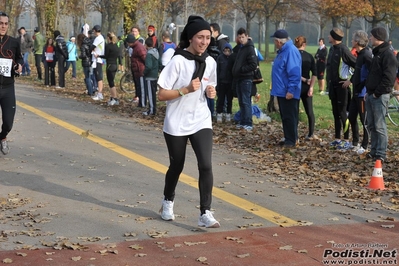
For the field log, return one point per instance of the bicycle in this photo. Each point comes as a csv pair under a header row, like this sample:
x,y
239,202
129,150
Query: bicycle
x,y
126,83
393,108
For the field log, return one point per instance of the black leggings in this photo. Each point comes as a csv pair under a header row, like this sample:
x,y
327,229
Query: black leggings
x,y
7,103
308,106
339,101
201,142
111,72
357,107
225,95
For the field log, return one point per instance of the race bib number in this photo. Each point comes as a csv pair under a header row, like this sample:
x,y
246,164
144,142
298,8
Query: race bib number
x,y
5,67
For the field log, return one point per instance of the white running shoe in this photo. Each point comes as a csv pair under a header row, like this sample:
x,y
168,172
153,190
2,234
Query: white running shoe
x,y
167,210
219,118
99,96
4,146
207,220
113,102
361,150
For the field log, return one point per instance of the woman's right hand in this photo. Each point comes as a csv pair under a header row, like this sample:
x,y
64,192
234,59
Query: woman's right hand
x,y
194,85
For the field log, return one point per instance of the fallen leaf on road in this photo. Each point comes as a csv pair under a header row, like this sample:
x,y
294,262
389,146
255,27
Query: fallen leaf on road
x,y
136,247
287,247
387,225
76,258
194,243
7,260
202,259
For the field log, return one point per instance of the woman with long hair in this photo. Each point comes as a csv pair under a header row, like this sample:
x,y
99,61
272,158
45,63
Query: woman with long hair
x,y
309,76
111,55
49,60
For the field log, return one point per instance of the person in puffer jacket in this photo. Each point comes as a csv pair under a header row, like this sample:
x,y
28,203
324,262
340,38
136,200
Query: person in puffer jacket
x,y
61,52
84,44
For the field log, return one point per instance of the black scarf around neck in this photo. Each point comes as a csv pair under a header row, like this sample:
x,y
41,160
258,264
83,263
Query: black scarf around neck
x,y
199,62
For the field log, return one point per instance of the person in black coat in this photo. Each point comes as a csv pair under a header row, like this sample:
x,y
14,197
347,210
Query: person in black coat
x,y
321,61
61,52
84,44
244,66
379,85
11,65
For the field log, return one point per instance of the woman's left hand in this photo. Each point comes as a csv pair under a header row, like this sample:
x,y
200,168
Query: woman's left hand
x,y
210,92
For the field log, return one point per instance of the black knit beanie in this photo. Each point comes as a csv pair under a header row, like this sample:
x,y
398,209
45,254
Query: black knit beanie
x,y
336,36
56,33
194,25
380,34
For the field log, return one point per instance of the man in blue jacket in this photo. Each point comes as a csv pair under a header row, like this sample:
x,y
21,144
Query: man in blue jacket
x,y
286,84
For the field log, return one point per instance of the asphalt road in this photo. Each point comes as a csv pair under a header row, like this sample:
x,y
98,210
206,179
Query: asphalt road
x,y
79,171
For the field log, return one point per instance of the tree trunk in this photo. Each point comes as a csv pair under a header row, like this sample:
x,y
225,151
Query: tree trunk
x,y
267,39
260,36
248,19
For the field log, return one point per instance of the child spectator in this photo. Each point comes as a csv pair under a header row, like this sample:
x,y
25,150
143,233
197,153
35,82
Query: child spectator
x,y
166,49
151,76
225,83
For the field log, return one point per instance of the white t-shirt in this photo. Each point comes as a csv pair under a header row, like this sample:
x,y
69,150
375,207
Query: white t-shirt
x,y
187,114
167,55
99,43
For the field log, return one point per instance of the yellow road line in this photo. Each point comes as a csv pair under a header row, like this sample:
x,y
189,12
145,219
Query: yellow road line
x,y
244,204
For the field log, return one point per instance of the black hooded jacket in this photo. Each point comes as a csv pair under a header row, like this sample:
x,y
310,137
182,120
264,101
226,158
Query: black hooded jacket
x,y
363,59
85,53
60,47
382,73
245,62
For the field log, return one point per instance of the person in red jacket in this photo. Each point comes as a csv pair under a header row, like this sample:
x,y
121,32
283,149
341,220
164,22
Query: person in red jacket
x,y
138,65
151,34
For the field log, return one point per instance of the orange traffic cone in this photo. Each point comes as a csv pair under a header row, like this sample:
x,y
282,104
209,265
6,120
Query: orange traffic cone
x,y
377,181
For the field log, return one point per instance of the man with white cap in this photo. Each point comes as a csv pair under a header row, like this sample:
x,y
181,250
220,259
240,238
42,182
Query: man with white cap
x,y
379,85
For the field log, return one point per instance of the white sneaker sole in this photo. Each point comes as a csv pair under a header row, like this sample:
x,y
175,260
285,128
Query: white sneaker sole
x,y
215,225
166,218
